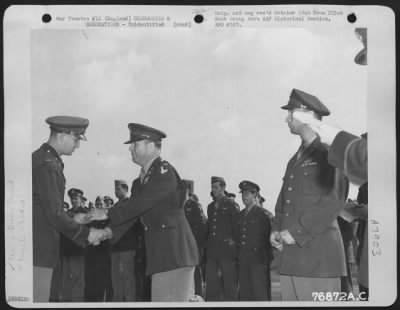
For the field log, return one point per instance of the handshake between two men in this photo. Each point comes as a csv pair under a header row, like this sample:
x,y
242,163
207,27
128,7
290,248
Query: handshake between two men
x,y
96,235
278,239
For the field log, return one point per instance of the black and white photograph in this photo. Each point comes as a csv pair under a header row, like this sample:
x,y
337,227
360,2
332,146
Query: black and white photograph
x,y
216,155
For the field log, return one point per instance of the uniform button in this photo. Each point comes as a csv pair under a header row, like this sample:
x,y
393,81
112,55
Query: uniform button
x,y
291,176
213,233
305,173
244,229
243,243
299,231
244,236
163,226
215,213
287,214
214,220
145,228
214,226
290,189
288,201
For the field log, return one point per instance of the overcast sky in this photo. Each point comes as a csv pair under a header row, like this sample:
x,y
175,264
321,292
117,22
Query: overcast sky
x,y
216,93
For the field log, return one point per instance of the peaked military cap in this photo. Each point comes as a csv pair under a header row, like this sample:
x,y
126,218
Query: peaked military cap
x,y
248,186
120,182
301,100
217,179
262,199
69,124
84,198
141,132
230,195
74,192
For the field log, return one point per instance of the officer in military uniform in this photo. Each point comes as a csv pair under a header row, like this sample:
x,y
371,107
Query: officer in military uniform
x,y
305,226
73,263
254,247
157,198
198,224
223,216
123,255
48,186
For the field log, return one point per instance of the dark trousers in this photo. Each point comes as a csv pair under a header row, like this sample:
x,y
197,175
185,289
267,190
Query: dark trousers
x,y
254,282
221,279
98,283
198,281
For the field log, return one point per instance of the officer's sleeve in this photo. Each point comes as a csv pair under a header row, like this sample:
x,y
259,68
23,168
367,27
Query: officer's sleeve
x,y
159,187
49,191
319,217
276,223
350,154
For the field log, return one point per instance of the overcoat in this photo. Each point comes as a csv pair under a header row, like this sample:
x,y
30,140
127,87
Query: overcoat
x,y
311,197
48,216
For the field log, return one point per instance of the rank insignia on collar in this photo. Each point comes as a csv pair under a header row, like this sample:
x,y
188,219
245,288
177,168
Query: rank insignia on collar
x,y
163,170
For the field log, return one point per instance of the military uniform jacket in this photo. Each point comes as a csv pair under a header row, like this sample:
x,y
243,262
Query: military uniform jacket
x,y
350,154
129,241
255,230
169,241
48,217
223,229
70,248
197,221
311,197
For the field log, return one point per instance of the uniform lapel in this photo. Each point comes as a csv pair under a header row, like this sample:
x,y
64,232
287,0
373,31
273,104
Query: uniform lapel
x,y
306,154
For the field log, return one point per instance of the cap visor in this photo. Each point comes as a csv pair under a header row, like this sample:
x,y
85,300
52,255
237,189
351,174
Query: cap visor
x,y
128,142
286,107
82,137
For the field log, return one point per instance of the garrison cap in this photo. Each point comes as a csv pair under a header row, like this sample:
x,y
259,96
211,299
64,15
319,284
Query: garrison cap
x,y
217,179
141,132
69,124
301,100
74,192
120,182
109,199
248,186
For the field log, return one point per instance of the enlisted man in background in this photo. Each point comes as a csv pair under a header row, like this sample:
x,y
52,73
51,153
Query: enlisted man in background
x,y
123,255
49,219
254,247
73,259
305,226
98,286
198,224
108,202
223,217
157,198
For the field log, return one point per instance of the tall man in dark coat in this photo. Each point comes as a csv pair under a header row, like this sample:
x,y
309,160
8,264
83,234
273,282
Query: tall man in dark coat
x,y
123,255
157,198
73,259
305,226
48,216
221,268
254,247
198,223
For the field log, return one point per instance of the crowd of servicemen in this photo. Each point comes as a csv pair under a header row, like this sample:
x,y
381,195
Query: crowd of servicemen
x,y
153,245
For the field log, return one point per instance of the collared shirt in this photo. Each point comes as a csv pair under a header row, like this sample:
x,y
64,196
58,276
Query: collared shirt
x,y
146,168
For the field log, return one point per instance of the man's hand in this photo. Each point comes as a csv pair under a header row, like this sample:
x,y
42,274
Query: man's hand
x,y
98,235
95,236
287,237
276,240
98,214
82,218
327,133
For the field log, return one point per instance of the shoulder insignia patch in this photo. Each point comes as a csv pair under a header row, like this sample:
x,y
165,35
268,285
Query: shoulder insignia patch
x,y
163,170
